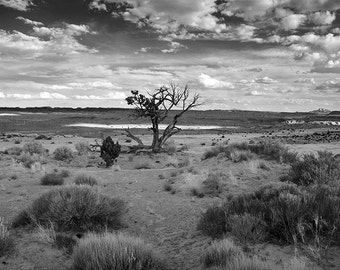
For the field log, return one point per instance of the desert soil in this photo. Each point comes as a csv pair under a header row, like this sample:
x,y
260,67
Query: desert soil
x,y
167,221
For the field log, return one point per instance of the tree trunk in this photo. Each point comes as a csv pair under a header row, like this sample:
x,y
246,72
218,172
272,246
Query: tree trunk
x,y
155,140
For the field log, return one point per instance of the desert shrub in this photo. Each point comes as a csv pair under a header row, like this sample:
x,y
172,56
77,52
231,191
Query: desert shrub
x,y
167,186
221,253
212,185
85,180
213,152
161,176
15,151
242,151
65,241
82,148
170,147
213,222
6,241
34,148
64,173
184,163
28,159
264,166
316,215
74,208
324,169
247,228
109,151
143,165
115,251
63,153
52,179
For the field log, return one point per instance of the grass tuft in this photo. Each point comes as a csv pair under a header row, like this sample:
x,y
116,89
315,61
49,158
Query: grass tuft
x,y
84,179
114,251
74,208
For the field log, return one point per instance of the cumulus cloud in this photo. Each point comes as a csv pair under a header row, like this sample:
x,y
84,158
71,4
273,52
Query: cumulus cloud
x,y
174,47
169,16
322,17
265,80
44,41
305,80
293,21
114,95
30,22
22,5
256,93
19,96
48,95
210,82
333,85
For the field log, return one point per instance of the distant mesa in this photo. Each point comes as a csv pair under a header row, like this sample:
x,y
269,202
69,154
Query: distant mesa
x,y
321,111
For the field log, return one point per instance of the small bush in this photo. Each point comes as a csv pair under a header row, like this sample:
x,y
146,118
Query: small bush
x,y
28,160
242,151
212,185
167,186
247,228
73,208
34,148
85,180
213,222
63,153
110,251
14,151
316,215
324,169
184,163
170,147
6,241
143,165
221,253
52,179
82,148
109,151
65,241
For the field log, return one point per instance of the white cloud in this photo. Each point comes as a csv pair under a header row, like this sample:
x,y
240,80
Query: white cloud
x,y
210,82
30,22
60,41
265,80
48,95
97,5
2,95
333,85
305,80
322,17
19,96
174,47
21,5
293,21
256,93
94,85
114,95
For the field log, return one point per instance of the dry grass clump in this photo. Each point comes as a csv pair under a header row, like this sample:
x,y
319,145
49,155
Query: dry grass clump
x,y
312,170
143,165
82,148
34,148
247,228
27,159
213,184
221,253
115,251
84,179
6,241
244,151
170,147
14,151
52,179
315,219
63,153
73,208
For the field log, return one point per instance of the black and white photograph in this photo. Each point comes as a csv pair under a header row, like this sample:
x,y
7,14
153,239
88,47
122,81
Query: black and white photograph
x,y
169,135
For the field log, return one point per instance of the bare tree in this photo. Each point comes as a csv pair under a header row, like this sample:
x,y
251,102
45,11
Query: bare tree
x,y
156,107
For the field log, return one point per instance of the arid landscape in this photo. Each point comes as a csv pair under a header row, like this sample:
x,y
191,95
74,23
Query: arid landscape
x,y
166,194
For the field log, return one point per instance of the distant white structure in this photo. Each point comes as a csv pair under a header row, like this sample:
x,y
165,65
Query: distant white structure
x,y
294,122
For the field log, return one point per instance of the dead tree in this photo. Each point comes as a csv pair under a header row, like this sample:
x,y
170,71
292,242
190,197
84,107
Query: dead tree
x,y
157,106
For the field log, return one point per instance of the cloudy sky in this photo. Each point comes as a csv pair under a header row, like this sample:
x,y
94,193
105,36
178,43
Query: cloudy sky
x,y
275,55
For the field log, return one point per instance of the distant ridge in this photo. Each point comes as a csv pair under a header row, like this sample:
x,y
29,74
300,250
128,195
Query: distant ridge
x,y
334,113
321,111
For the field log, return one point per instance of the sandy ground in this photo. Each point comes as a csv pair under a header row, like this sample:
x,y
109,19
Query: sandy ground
x,y
166,221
